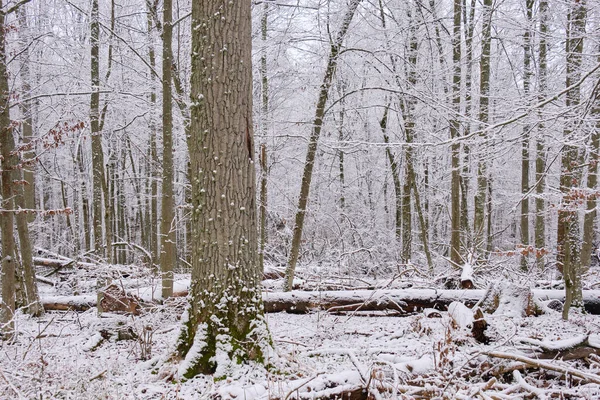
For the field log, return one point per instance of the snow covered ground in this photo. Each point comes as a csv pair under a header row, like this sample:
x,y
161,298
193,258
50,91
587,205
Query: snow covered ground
x,y
64,356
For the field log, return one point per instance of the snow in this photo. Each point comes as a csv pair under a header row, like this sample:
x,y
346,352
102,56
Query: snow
x,y
65,354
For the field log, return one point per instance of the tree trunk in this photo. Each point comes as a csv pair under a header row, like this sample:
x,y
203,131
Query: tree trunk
x,y
25,107
589,221
8,164
455,251
100,184
152,162
540,147
568,247
313,143
484,92
469,29
264,131
168,251
527,53
394,170
224,320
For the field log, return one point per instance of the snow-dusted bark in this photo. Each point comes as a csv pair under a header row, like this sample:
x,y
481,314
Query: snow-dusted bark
x,y
224,323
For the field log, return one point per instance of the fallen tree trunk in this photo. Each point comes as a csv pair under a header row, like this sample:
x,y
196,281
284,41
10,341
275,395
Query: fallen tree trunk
x,y
566,349
403,301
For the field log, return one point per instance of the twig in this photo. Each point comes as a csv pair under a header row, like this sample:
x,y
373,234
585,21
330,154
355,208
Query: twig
x,y
287,396
98,375
530,388
14,389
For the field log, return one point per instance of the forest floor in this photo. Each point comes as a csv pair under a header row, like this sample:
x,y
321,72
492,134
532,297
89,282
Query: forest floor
x,y
319,355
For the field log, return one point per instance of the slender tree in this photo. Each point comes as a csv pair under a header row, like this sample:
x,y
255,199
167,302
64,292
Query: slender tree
x,y
540,147
589,220
481,198
168,251
332,61
455,250
525,160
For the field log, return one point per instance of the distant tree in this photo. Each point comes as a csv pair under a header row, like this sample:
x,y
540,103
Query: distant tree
x,y
224,322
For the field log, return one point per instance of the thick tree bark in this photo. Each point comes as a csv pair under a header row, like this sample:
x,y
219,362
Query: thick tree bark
x,y
168,251
224,320
568,231
8,164
313,142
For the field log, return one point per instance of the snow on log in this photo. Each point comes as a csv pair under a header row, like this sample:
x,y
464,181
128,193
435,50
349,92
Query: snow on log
x,y
504,298
467,319
298,302
574,348
461,315
68,303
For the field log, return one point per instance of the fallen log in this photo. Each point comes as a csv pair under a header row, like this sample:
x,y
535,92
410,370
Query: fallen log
x,y
403,301
566,349
531,362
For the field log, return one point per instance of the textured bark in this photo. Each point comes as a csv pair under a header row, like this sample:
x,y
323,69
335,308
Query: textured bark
x,y
100,186
224,319
568,231
9,161
455,250
481,197
525,186
168,251
314,140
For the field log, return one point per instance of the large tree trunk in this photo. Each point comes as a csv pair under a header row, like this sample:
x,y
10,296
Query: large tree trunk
x,y
8,164
168,251
568,246
313,143
224,320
